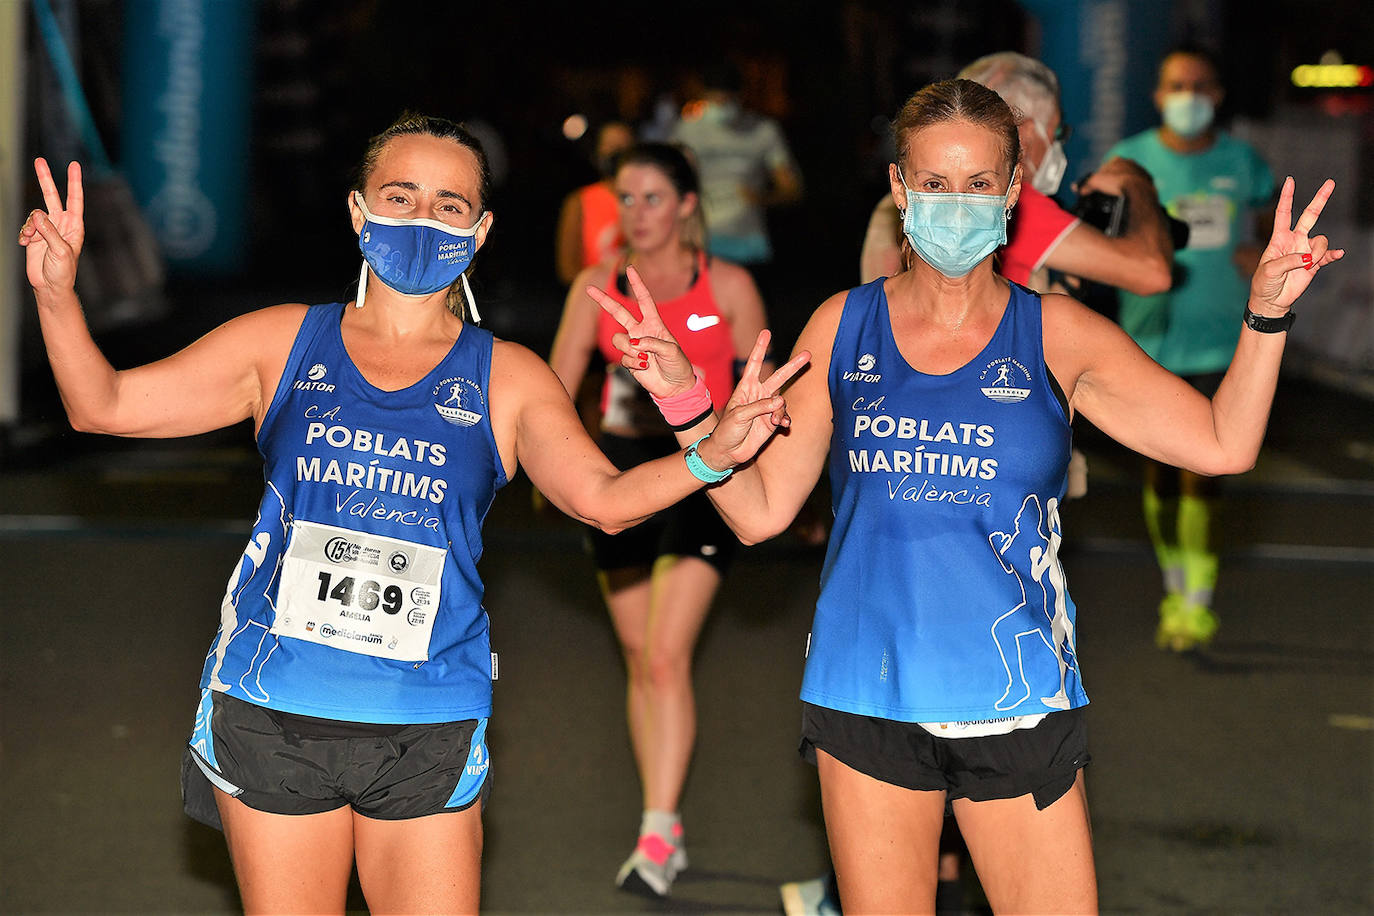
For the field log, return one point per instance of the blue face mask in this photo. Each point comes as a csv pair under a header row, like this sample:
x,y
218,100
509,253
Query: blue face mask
x,y
415,257
954,232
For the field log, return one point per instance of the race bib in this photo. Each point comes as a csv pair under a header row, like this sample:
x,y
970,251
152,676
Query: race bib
x,y
1208,218
359,592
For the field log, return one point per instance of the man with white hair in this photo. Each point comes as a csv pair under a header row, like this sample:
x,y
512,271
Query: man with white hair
x,y
1041,234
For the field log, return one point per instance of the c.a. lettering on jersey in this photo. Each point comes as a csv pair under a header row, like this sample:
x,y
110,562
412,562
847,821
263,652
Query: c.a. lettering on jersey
x,y
315,411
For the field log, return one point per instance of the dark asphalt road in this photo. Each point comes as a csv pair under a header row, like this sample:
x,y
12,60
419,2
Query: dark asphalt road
x,y
1238,781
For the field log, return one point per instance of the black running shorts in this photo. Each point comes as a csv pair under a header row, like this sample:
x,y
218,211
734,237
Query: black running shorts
x,y
1042,761
291,764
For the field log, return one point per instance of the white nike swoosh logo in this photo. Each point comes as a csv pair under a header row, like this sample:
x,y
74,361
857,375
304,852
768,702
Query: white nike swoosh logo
x,y
697,322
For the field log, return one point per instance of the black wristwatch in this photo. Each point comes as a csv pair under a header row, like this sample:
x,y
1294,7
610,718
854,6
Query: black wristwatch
x,y
1267,325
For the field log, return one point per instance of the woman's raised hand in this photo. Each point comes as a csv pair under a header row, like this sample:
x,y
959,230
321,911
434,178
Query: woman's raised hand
x,y
755,410
1292,258
53,238
651,352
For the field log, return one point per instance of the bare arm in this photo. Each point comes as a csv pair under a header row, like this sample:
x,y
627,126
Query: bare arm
x,y
760,500
575,341
1141,260
762,497
1143,406
739,299
568,241
537,428
232,371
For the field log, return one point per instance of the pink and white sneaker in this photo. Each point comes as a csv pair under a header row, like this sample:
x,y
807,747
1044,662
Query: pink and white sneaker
x,y
654,865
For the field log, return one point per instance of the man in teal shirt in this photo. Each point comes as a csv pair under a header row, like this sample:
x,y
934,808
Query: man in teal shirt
x,y
1213,182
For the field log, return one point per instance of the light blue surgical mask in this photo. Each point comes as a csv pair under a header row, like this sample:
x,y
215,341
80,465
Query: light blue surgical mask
x,y
954,232
1187,114
415,257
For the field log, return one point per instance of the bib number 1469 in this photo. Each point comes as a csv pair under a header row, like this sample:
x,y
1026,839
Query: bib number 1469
x,y
368,595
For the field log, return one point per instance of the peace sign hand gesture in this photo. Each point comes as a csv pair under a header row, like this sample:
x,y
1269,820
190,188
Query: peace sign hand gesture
x,y
652,354
53,239
755,410
1278,281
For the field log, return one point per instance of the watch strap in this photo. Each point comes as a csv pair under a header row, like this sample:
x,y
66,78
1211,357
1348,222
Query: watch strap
x,y
700,469
1267,325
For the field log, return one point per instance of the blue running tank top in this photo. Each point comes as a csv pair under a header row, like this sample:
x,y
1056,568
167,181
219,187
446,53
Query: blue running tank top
x,y
942,596
357,597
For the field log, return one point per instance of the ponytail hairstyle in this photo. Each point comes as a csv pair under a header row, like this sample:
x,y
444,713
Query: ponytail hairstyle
x,y
412,123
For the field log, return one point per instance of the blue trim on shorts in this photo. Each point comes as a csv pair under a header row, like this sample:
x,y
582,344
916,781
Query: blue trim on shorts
x,y
202,735
475,771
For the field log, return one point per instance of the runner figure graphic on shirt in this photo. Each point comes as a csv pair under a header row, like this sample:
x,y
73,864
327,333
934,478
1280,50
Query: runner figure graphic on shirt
x,y
1003,376
455,393
1035,615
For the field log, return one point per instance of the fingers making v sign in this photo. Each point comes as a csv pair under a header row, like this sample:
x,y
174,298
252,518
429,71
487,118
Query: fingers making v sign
x,y
755,410
53,238
1292,257
652,354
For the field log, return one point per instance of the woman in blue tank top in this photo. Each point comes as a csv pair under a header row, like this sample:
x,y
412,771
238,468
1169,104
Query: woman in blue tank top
x,y
345,698
942,663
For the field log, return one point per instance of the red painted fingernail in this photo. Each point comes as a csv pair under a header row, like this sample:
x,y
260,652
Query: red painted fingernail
x,y
644,356
1307,257
634,341
643,364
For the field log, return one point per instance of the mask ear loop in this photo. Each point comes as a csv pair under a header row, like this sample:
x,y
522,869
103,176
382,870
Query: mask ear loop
x,y
362,286
472,301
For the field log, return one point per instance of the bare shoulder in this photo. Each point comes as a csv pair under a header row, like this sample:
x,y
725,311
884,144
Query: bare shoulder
x,y
267,325
728,277
598,275
826,318
263,332
1065,318
818,336
515,365
735,293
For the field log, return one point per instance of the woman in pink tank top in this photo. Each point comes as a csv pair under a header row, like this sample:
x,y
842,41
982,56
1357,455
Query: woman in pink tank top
x,y
659,581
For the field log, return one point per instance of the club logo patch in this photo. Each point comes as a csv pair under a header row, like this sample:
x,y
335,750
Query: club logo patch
x,y
1005,381
459,401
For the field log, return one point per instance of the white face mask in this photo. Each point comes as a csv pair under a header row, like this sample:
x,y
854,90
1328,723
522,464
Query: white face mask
x,y
1187,114
1050,172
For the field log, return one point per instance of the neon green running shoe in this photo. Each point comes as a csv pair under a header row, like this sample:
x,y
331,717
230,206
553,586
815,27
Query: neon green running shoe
x,y
1184,624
